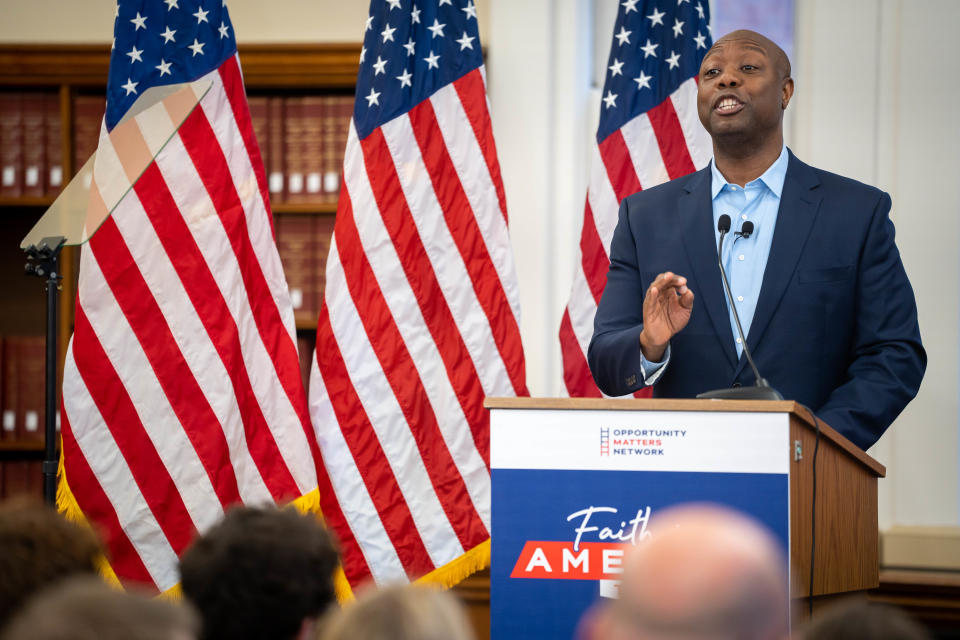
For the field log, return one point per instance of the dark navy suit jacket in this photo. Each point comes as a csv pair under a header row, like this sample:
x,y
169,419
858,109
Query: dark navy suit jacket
x,y
835,326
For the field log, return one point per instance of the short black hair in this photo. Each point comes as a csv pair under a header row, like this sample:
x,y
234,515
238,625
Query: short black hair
x,y
259,573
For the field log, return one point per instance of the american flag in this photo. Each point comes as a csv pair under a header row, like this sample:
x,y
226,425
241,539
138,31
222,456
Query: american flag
x,y
649,133
420,317
181,389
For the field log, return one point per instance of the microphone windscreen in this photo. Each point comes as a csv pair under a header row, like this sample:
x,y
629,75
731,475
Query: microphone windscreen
x,y
746,229
723,224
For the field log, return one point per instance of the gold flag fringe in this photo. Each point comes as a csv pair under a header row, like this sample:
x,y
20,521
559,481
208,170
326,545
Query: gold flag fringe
x,y
455,571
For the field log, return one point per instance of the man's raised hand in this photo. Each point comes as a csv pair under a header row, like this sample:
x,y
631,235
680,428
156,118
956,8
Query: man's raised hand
x,y
666,310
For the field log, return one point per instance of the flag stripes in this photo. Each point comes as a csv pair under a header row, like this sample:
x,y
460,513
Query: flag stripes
x,y
182,392
419,323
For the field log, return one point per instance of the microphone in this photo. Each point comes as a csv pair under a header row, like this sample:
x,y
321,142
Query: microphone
x,y
761,389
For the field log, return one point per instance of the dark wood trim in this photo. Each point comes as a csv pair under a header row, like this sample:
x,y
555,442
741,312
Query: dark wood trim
x,y
266,66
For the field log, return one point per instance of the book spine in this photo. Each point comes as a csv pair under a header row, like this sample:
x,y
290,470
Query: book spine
x,y
312,114
53,132
293,147
11,145
259,119
323,232
32,390
87,118
10,402
276,170
34,145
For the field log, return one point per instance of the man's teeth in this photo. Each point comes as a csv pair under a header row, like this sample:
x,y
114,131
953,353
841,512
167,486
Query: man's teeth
x,y
728,104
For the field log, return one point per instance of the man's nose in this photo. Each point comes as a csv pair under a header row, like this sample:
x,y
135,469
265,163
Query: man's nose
x,y
729,79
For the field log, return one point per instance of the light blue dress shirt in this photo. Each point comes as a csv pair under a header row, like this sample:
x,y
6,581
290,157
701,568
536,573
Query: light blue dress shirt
x,y
744,259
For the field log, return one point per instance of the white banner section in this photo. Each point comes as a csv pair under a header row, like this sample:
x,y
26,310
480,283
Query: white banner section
x,y
704,441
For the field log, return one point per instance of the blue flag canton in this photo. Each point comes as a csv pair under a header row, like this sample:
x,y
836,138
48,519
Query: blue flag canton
x,y
656,48
160,42
411,49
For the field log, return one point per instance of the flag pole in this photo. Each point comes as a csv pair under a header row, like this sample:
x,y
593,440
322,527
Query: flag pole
x,y
43,261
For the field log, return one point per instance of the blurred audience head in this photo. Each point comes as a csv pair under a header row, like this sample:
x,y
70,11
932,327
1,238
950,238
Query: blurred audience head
x,y
260,573
400,613
39,547
705,572
85,608
857,618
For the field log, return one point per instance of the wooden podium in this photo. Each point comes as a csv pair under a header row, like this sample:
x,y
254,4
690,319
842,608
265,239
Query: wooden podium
x,y
846,550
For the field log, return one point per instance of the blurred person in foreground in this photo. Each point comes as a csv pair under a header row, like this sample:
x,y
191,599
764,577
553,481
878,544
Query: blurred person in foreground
x,y
400,613
87,609
39,547
858,618
706,572
260,573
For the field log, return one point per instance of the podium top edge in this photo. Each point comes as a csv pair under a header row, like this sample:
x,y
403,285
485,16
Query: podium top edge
x,y
645,404
693,404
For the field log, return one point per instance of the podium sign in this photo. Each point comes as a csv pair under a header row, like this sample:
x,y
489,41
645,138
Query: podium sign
x,y
571,486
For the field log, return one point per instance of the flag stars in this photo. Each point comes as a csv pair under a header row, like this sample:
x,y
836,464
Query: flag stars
x,y
410,46
470,10
700,39
172,4
164,68
414,16
466,42
197,47
379,66
616,68
436,28
649,49
674,60
631,5
443,2
140,22
373,98
677,28
168,35
201,16
623,37
369,23
656,17
610,100
394,4
404,79
134,54
699,9
223,30
431,61
363,54
387,32
643,81
131,87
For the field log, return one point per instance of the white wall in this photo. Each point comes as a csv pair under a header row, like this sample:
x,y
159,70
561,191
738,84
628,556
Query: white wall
x,y
875,101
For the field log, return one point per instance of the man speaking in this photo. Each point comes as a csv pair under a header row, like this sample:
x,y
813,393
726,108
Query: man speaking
x,y
817,280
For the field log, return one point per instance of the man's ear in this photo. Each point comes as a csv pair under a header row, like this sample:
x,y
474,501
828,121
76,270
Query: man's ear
x,y
786,93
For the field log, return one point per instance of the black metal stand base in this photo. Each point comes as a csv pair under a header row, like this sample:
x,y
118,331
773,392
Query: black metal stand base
x,y
43,261
743,393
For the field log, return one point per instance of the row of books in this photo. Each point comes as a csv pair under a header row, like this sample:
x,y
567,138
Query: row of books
x,y
22,389
303,242
301,138
31,161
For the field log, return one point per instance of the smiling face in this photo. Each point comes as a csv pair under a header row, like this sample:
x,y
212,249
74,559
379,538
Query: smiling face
x,y
744,86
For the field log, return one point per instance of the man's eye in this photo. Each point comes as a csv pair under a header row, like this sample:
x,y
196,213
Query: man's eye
x,y
748,67
711,72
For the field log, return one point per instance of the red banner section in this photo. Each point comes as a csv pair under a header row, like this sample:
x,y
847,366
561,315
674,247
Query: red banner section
x,y
557,560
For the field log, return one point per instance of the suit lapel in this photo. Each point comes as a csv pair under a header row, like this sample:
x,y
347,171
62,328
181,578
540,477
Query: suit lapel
x,y
799,203
696,212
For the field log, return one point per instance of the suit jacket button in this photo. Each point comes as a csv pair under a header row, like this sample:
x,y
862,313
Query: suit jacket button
x,y
735,385
632,380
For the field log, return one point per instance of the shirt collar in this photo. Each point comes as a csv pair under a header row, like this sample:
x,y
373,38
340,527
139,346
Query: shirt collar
x,y
773,177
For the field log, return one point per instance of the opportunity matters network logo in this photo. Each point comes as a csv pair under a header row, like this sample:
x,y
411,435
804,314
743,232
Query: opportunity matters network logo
x,y
626,441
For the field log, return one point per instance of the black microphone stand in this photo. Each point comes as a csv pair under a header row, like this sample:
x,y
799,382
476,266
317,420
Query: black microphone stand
x,y
43,261
761,390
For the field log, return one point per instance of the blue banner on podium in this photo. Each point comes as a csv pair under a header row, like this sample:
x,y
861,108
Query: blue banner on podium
x,y
571,488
